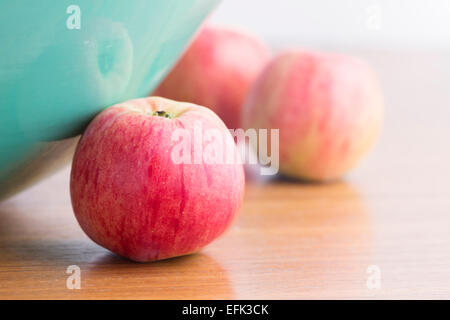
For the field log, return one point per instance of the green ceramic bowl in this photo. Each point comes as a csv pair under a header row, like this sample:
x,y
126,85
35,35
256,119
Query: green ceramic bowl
x,y
60,64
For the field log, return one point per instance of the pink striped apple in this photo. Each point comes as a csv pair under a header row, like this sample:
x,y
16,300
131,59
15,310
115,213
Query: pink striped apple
x,y
132,197
328,108
217,71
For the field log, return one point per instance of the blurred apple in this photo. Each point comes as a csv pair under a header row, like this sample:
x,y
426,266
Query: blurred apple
x,y
131,196
217,71
328,108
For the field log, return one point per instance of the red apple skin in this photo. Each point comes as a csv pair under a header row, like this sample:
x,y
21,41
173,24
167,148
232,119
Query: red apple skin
x,y
131,198
217,71
328,108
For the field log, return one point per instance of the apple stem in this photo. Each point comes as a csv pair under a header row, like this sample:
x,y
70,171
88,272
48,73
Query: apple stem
x,y
161,113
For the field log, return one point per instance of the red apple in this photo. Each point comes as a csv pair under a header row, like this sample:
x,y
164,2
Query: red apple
x,y
131,197
217,71
328,108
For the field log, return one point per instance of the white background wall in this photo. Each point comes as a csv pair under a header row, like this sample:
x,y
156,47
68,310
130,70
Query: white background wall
x,y
343,23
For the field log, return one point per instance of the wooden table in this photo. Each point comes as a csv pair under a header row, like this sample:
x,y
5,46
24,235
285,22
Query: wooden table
x,y
389,220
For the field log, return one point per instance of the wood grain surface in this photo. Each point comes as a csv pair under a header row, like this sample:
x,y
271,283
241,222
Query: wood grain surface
x,y
292,240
